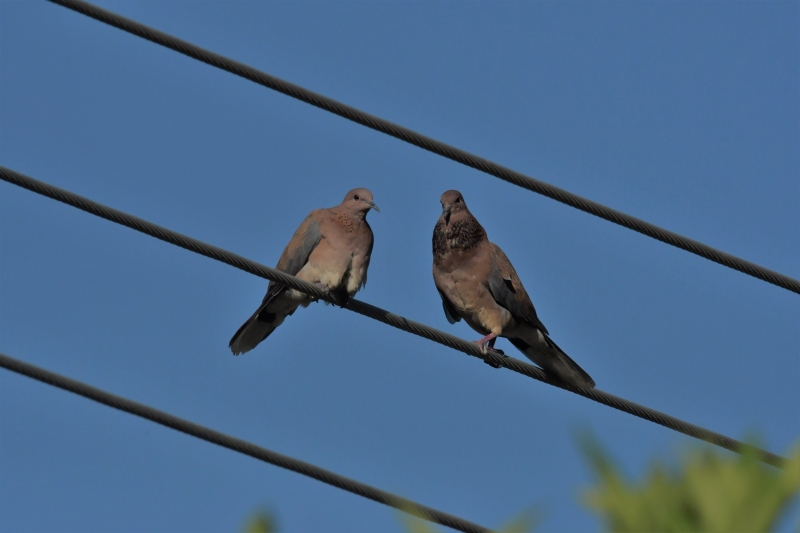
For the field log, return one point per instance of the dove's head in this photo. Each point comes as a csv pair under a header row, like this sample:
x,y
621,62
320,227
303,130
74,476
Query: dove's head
x,y
452,204
358,202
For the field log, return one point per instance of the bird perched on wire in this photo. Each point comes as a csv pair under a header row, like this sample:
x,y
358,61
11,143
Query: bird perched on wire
x,y
478,283
330,249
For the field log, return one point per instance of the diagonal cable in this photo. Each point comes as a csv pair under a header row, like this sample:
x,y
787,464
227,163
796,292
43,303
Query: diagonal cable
x,y
239,445
432,145
373,312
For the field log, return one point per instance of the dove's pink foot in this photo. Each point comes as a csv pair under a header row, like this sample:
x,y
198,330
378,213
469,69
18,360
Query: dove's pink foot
x,y
488,339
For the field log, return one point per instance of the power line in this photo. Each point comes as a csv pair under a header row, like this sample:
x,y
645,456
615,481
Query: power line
x,y
373,312
432,145
239,445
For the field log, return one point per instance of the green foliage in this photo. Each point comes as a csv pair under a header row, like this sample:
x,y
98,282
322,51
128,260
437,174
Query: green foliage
x,y
261,522
525,522
711,491
414,524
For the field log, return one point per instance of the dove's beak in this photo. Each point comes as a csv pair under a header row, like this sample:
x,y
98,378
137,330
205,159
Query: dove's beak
x,y
446,212
372,205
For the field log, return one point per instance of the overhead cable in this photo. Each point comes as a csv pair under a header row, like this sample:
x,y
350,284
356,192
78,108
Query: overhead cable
x,y
432,145
410,326
239,445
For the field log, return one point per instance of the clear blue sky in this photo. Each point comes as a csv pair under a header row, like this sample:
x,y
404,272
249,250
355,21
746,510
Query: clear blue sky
x,y
685,114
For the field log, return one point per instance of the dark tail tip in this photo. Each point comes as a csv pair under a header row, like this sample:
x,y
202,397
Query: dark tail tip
x,y
557,364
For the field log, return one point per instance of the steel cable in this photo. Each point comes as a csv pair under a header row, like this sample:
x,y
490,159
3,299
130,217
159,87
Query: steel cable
x,y
432,145
373,312
239,445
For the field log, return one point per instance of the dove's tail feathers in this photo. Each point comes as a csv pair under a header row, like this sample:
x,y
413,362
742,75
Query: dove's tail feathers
x,y
257,328
556,362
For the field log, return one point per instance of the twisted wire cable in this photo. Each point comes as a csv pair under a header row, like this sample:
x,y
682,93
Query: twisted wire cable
x,y
432,145
376,313
239,445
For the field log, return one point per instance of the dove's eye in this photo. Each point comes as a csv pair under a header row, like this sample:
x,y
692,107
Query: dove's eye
x,y
356,197
458,200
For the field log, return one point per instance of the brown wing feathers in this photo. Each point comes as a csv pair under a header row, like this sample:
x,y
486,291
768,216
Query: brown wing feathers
x,y
478,283
331,248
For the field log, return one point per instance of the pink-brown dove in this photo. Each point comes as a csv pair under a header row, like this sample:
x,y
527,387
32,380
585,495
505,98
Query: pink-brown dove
x,y
478,283
330,249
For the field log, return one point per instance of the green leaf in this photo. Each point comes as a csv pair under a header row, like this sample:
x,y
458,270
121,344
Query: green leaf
x,y
261,522
708,491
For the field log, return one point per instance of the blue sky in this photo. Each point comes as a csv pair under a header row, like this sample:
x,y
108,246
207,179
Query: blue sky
x,y
684,114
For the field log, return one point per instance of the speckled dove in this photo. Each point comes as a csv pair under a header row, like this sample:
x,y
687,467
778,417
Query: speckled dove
x,y
478,283
330,249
